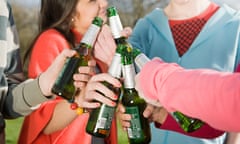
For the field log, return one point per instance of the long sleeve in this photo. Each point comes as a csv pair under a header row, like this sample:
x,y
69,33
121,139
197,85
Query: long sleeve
x,y
205,94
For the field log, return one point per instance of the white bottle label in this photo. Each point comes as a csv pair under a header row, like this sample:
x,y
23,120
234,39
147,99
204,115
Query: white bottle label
x,y
129,75
141,60
115,67
116,26
91,35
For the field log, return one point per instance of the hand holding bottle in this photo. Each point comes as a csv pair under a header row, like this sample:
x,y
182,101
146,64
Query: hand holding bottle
x,y
155,113
47,78
64,85
95,93
152,113
84,74
105,45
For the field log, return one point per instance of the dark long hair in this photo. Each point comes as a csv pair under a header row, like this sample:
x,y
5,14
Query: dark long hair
x,y
56,14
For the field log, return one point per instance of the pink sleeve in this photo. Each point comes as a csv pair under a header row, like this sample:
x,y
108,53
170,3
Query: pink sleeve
x,y
205,94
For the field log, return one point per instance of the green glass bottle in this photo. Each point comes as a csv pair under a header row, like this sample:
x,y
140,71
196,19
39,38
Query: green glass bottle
x,y
187,124
139,132
100,119
116,28
63,86
122,47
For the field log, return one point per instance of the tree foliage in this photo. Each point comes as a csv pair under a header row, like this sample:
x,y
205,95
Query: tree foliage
x,y
27,25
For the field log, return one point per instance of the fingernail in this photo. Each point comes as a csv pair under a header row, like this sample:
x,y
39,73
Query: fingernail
x,y
113,103
97,105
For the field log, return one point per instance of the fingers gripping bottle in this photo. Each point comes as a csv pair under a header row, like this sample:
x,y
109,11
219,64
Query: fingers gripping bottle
x,y
100,120
188,124
63,86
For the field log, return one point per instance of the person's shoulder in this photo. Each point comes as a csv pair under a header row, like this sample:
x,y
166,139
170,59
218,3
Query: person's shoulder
x,y
51,38
5,8
156,17
155,12
51,35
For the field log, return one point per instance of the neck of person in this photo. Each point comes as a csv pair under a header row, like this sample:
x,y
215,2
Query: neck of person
x,y
185,9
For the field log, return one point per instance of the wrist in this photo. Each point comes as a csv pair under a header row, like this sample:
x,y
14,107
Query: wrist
x,y
45,89
74,106
162,115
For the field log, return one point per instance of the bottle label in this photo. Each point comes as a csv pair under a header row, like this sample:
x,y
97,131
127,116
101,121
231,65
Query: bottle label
x,y
135,130
91,35
129,75
116,26
105,117
115,67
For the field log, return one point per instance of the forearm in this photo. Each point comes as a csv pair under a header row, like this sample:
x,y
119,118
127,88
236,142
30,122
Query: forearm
x,y
194,93
27,96
62,116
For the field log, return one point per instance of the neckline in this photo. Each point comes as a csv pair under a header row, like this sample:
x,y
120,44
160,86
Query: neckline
x,y
206,13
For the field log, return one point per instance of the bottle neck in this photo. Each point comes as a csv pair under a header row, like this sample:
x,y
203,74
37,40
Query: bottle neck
x,y
141,60
115,66
116,26
91,35
129,75
120,40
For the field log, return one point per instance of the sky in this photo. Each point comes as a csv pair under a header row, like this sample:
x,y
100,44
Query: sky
x,y
26,2
234,3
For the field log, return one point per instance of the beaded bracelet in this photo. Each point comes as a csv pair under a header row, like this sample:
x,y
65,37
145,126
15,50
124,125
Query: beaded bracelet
x,y
74,106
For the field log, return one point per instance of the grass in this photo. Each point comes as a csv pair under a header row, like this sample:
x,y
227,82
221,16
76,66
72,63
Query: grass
x,y
13,128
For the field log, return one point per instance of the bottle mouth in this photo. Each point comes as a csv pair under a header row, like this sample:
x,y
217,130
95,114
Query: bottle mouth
x,y
141,60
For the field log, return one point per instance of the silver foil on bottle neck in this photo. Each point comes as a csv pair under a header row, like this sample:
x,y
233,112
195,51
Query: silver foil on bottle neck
x,y
141,60
115,67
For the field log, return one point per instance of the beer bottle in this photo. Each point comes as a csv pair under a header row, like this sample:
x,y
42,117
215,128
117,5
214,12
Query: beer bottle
x,y
188,124
63,86
100,120
139,132
116,28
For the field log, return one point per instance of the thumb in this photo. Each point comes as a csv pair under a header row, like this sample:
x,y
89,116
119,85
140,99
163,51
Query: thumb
x,y
47,78
60,60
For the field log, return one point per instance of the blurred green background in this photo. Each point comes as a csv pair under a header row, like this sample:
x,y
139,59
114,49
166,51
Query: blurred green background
x,y
13,128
